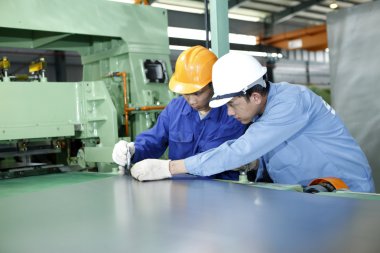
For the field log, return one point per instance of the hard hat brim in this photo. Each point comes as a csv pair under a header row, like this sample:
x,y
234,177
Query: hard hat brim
x,y
184,88
219,102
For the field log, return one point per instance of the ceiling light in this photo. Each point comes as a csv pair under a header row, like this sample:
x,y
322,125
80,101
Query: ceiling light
x,y
123,1
178,8
333,5
186,33
242,39
179,48
256,53
243,17
196,34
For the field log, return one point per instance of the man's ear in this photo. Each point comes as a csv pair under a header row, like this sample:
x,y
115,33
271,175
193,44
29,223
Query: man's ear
x,y
256,98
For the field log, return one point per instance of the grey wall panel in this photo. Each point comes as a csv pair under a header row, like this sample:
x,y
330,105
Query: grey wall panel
x,y
290,71
353,38
319,73
296,72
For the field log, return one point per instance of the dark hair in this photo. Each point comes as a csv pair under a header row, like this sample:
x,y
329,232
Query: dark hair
x,y
263,91
211,86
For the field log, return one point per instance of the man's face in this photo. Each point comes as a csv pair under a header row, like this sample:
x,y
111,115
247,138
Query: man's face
x,y
199,100
244,110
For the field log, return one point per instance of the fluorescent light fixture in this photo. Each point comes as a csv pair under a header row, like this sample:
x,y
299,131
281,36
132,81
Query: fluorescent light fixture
x,y
277,55
179,48
178,8
195,34
242,39
123,1
260,54
193,10
253,53
186,33
243,17
333,5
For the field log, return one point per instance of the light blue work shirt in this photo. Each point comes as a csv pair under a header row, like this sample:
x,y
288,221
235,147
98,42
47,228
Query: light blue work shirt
x,y
299,138
180,128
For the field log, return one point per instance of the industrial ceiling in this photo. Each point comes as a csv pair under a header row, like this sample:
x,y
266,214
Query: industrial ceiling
x,y
308,12
285,24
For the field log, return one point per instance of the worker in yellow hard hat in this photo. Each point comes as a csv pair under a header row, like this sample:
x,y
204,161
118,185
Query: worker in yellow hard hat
x,y
188,125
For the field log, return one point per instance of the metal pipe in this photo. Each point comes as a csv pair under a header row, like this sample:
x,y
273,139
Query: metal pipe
x,y
125,94
145,108
128,109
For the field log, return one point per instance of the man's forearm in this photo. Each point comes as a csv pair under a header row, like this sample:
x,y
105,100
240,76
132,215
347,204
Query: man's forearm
x,y
177,167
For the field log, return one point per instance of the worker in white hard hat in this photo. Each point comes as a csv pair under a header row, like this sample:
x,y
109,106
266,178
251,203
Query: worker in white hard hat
x,y
296,135
188,125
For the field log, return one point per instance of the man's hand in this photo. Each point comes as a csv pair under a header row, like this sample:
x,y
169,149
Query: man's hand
x,y
119,153
151,169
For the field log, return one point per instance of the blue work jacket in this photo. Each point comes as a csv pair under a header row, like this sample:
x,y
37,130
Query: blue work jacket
x,y
180,128
299,137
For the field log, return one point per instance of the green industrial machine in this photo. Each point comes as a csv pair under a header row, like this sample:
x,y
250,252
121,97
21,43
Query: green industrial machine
x,y
124,50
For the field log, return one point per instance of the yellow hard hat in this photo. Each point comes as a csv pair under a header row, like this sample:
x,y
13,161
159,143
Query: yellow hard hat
x,y
193,70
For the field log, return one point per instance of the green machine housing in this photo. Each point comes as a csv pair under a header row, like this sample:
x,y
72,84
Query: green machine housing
x,y
124,50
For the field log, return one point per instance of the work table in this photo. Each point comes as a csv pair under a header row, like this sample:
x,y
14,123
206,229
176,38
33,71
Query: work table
x,y
184,214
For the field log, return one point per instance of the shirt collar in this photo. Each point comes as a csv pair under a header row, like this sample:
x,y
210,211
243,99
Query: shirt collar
x,y
213,114
187,110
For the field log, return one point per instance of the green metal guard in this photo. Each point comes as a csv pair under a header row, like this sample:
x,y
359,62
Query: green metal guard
x,y
110,37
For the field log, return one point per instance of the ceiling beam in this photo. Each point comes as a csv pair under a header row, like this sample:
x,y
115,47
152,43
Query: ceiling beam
x,y
291,11
235,3
310,38
231,3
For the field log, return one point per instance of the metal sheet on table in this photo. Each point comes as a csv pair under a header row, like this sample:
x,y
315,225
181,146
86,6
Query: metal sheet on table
x,y
185,214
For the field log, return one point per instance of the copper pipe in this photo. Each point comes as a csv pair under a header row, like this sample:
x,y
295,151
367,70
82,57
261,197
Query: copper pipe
x,y
144,108
125,94
128,109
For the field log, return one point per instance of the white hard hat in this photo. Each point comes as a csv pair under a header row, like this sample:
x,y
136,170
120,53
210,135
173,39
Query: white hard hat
x,y
233,74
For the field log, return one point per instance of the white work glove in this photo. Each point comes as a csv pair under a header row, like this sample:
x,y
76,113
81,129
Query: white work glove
x,y
119,153
151,169
121,170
